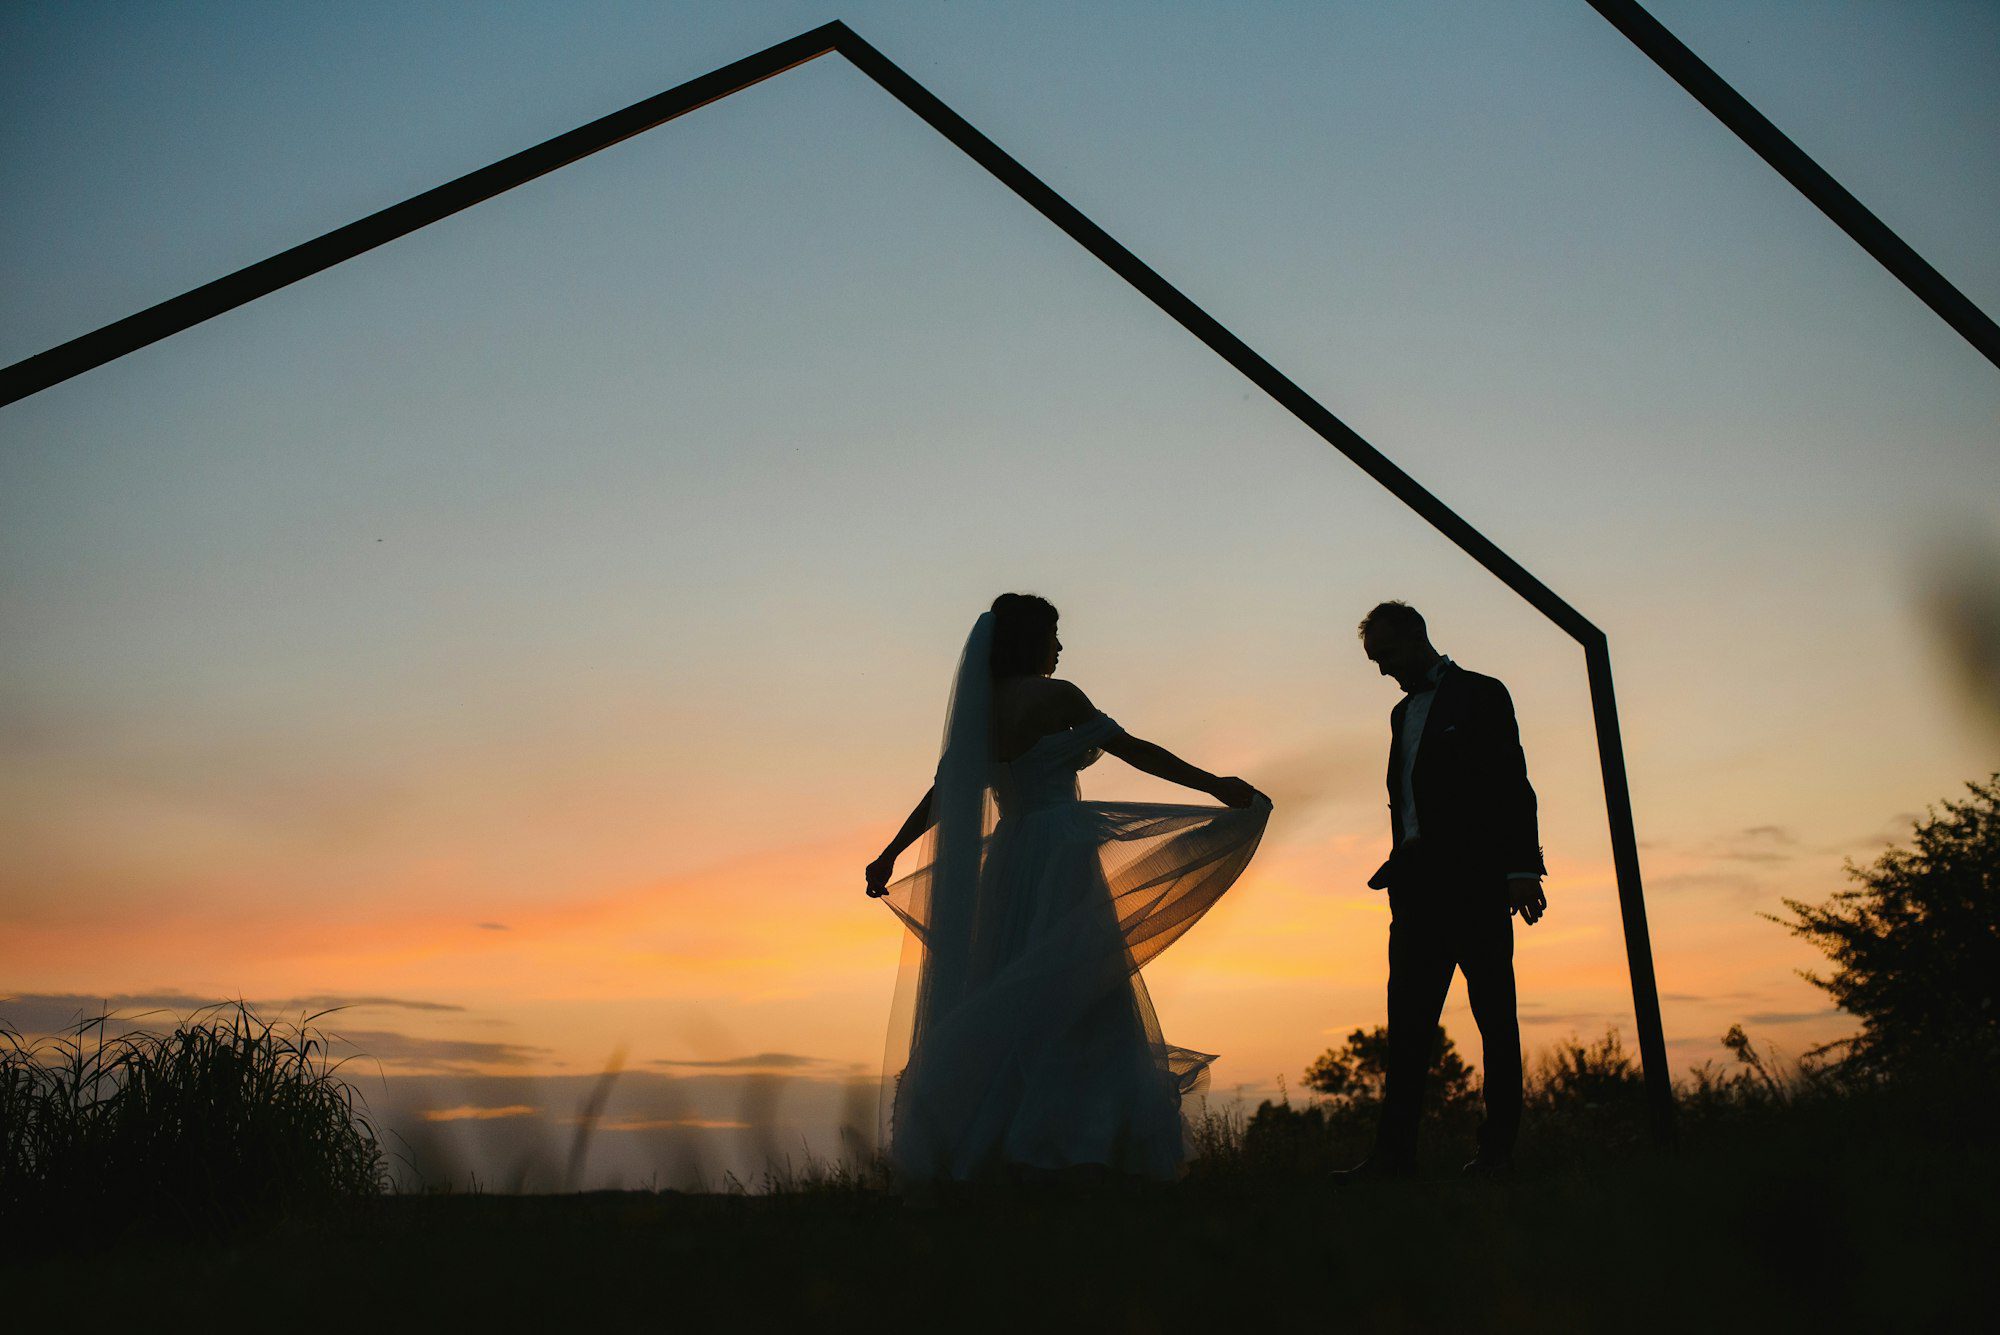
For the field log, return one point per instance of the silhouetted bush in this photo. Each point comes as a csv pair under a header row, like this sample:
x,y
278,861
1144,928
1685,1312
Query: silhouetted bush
x,y
1336,1129
1915,946
1583,1100
226,1121
1594,1075
1356,1073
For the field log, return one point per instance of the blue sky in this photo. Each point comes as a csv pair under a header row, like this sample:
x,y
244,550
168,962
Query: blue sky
x,y
625,527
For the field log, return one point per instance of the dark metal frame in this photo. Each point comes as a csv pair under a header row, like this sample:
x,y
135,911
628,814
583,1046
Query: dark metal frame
x,y
202,303
1790,161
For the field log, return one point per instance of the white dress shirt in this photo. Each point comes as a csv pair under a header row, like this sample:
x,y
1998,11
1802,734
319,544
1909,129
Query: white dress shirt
x,y
1407,740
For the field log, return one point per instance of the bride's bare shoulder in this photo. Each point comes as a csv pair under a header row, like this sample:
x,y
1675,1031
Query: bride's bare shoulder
x,y
1067,701
1045,704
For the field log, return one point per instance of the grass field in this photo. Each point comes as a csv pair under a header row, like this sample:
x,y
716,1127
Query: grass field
x,y
1807,1221
220,1174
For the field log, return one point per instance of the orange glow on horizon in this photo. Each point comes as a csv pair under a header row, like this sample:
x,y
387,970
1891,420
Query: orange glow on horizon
x,y
466,1112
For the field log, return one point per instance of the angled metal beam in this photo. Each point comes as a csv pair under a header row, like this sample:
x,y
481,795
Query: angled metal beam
x,y
1209,330
267,276
344,243
1770,143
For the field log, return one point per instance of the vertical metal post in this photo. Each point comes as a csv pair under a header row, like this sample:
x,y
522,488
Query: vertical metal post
x,y
1631,897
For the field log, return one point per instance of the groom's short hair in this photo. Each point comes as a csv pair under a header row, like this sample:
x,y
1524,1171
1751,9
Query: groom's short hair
x,y
1396,617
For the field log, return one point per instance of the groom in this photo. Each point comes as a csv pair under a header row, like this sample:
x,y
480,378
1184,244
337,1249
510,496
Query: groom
x,y
1466,857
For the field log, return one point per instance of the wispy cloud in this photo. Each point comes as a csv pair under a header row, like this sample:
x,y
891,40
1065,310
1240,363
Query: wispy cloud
x,y
356,1003
435,1055
1692,1041
668,1124
1790,1017
1576,1019
1896,830
53,1012
778,1061
1757,843
1675,882
471,1113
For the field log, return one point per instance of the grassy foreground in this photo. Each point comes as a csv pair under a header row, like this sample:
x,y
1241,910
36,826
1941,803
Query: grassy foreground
x,y
223,1174
1805,1223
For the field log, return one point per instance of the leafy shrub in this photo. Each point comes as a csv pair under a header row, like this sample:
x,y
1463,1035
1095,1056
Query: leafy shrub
x,y
1337,1129
1356,1073
1583,1099
1915,944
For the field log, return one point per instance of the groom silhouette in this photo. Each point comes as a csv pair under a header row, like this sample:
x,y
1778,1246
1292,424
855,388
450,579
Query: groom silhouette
x,y
1465,858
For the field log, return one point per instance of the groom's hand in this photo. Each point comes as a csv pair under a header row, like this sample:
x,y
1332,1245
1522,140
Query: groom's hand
x,y
878,873
1528,899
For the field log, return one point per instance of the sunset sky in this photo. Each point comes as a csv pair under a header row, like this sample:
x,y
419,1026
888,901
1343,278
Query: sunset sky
x,y
528,630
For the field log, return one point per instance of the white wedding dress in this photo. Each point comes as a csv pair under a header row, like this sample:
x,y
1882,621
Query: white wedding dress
x,y
1025,1035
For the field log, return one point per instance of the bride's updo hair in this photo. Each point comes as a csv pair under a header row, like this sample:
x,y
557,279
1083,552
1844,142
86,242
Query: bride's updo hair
x,y
1022,625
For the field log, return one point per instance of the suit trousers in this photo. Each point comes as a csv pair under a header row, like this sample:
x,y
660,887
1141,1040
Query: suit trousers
x,y
1444,920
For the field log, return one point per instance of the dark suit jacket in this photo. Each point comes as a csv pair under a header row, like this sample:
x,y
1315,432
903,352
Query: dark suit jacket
x,y
1475,808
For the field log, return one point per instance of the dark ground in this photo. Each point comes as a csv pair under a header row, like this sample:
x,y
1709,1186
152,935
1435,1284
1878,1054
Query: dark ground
x,y
1780,1233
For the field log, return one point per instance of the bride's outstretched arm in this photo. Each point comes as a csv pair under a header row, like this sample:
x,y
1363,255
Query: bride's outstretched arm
x,y
883,867
1156,760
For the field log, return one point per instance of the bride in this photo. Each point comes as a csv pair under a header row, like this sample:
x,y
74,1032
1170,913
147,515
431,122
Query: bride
x,y
1031,1043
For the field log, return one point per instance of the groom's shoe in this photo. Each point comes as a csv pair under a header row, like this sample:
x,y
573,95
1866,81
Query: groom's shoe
x,y
1484,1165
1377,1167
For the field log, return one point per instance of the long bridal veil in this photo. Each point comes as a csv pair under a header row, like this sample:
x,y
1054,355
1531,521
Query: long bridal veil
x,y
936,901
939,901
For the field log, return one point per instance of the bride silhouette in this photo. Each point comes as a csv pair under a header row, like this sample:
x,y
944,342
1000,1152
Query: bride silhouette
x,y
1024,1038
